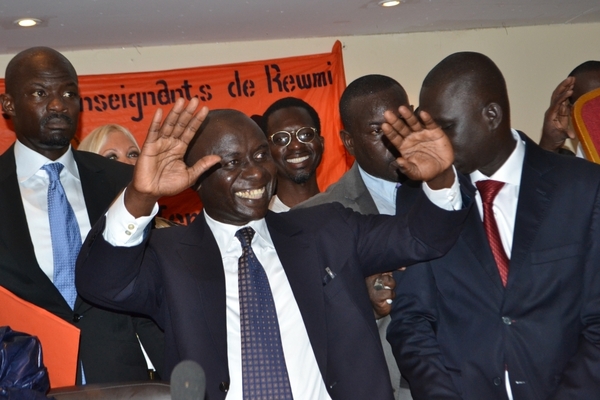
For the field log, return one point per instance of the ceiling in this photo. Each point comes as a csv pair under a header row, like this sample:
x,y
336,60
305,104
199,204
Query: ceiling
x,y
93,24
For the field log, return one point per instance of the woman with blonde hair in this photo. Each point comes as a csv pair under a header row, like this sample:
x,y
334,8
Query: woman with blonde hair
x,y
112,141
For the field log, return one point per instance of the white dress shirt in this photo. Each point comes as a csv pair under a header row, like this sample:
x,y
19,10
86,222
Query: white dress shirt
x,y
505,204
383,192
33,184
276,205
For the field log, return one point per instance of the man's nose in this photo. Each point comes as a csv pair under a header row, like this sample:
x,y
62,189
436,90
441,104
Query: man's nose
x,y
57,103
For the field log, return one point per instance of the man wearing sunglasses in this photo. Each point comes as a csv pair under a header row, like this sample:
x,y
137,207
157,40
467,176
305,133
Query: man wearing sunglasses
x,y
293,130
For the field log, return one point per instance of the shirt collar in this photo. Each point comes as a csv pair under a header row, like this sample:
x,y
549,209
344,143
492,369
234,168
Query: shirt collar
x,y
29,162
382,188
510,171
225,234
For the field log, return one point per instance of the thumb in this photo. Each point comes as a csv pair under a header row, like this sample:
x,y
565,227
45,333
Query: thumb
x,y
203,165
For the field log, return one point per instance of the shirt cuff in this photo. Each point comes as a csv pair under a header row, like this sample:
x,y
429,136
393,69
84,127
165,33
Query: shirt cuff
x,y
123,229
448,199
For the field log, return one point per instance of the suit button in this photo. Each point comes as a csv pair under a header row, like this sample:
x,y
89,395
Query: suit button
x,y
497,381
224,387
77,317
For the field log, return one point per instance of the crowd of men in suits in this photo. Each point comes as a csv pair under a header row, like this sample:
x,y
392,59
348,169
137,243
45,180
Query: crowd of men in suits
x,y
482,246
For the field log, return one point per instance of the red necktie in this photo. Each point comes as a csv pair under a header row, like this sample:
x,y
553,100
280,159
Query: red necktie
x,y
488,191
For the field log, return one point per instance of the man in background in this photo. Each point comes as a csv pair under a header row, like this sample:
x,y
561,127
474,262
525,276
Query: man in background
x,y
50,195
557,126
293,129
371,185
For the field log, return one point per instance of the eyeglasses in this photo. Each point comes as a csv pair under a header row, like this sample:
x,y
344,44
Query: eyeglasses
x,y
284,138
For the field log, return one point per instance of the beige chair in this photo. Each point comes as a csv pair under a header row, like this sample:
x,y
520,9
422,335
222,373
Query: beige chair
x,y
116,391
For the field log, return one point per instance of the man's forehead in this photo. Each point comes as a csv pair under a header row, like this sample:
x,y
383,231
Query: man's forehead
x,y
227,132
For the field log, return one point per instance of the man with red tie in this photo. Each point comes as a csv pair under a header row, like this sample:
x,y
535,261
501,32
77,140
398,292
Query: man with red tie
x,y
513,310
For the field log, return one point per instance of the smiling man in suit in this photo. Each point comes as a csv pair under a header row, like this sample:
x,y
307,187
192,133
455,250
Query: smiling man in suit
x,y
42,100
307,266
513,310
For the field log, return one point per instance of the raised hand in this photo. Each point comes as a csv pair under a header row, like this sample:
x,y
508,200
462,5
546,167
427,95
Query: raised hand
x,y
160,169
556,118
426,151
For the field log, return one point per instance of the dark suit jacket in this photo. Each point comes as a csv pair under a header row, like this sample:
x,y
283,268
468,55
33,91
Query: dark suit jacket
x,y
351,192
108,346
176,275
455,327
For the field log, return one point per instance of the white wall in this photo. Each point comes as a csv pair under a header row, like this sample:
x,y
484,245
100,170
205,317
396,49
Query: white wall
x,y
533,59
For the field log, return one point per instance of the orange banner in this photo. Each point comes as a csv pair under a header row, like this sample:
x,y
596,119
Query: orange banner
x,y
131,100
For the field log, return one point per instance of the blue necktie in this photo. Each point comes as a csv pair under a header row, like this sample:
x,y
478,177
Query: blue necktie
x,y
264,373
64,231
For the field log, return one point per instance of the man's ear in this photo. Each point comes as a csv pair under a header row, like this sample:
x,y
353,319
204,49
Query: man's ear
x,y
7,104
493,115
348,141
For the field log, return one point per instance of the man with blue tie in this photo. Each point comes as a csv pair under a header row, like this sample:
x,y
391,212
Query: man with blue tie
x,y
307,267
50,195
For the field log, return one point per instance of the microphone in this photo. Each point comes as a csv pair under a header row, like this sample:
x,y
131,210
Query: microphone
x,y
188,381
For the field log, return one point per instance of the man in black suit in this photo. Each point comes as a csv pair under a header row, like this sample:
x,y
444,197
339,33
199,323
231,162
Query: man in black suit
x,y
512,315
315,259
42,100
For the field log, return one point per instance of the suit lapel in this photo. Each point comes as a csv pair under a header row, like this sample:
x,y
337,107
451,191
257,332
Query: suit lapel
x,y
303,271
534,197
203,259
357,192
98,191
476,241
20,263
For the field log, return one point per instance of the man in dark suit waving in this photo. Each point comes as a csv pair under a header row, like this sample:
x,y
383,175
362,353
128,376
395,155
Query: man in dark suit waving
x,y
513,310
42,100
307,266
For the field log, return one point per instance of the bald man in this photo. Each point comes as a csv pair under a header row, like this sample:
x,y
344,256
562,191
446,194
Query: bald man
x,y
42,100
321,341
521,321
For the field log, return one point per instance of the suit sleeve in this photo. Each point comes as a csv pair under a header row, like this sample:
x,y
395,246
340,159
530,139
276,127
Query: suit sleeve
x,y
121,278
581,377
412,335
424,233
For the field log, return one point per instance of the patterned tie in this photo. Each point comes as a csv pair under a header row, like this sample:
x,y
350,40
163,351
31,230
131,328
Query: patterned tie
x,y
488,190
64,231
264,373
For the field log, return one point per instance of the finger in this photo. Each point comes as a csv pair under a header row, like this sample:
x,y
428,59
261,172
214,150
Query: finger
x,y
193,125
186,116
154,127
394,129
388,280
563,91
171,125
428,120
203,165
410,119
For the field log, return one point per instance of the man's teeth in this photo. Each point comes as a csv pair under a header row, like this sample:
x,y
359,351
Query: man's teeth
x,y
251,194
297,160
